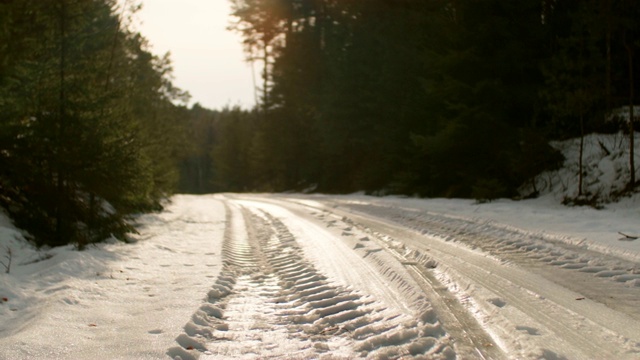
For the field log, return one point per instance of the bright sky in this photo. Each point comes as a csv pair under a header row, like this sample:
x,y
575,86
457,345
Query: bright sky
x,y
208,60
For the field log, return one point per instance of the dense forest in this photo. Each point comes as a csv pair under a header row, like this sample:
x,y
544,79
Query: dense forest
x,y
455,98
435,98
89,129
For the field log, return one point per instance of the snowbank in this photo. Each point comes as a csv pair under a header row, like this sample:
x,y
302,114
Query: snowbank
x,y
605,169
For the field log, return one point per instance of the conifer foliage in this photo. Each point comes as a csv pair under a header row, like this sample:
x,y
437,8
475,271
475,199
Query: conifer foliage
x,y
436,98
88,130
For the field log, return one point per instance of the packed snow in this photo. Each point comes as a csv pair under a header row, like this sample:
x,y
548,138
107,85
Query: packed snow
x,y
232,276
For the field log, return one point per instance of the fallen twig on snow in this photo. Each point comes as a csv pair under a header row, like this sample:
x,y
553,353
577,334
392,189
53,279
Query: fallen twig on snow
x,y
7,256
627,237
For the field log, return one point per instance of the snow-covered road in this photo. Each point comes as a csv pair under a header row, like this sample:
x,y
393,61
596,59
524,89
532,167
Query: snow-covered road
x,y
296,276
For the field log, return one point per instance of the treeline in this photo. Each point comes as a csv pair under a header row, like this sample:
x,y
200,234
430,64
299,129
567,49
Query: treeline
x,y
217,158
429,97
88,127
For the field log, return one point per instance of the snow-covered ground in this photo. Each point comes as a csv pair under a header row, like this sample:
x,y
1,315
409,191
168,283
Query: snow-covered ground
x,y
296,276
605,162
112,301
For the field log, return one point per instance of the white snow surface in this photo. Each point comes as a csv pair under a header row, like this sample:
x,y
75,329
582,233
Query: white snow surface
x,y
606,170
115,300
208,275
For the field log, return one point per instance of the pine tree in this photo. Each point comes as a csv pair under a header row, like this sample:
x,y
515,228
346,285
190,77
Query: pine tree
x,y
77,156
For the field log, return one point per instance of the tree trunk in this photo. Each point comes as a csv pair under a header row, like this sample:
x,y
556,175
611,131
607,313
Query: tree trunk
x,y
581,153
60,181
608,52
632,167
265,78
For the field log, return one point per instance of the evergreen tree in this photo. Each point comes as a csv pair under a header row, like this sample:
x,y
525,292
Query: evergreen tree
x,y
76,154
235,131
434,97
196,167
591,68
481,89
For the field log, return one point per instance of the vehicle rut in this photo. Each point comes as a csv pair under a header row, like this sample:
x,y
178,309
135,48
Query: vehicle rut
x,y
507,288
270,301
514,245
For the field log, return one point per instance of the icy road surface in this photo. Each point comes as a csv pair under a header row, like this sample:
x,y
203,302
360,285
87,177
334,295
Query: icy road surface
x,y
241,276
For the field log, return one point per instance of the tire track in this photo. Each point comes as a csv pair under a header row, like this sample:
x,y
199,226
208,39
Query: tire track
x,y
514,245
269,301
530,250
327,314
471,340
511,292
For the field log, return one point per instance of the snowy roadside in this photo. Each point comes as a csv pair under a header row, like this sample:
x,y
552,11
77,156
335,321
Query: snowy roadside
x,y
113,300
597,230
